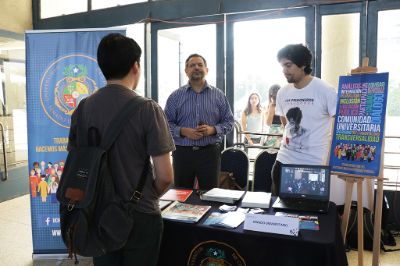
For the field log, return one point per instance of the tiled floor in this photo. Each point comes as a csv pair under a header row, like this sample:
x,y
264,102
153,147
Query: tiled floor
x,y
16,240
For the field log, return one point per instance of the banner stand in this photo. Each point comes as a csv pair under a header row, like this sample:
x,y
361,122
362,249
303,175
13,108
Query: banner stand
x,y
57,257
350,180
61,70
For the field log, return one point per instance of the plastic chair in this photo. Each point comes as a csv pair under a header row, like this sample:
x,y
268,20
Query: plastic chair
x,y
235,160
262,179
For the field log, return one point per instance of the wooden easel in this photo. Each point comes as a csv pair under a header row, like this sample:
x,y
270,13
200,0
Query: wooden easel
x,y
350,180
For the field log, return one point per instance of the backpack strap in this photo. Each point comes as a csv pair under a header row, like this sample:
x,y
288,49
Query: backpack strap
x,y
114,130
81,136
117,124
137,194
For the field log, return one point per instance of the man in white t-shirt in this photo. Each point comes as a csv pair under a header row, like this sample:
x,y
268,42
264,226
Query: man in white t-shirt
x,y
306,107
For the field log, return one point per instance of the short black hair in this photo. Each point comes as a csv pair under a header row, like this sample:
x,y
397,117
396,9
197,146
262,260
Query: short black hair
x,y
116,55
195,55
298,54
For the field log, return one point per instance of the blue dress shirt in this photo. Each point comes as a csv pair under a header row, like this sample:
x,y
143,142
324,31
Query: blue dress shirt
x,y
186,108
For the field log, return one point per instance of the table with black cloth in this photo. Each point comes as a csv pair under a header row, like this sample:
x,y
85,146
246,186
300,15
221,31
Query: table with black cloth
x,y
198,244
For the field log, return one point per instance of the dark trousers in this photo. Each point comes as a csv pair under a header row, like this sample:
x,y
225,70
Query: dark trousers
x,y
276,178
201,162
143,245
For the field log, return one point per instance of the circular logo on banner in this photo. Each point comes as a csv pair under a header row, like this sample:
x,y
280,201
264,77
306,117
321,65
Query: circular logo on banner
x,y
65,83
213,253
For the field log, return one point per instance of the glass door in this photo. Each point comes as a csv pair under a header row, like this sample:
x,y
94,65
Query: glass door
x,y
171,47
255,63
253,42
388,50
14,147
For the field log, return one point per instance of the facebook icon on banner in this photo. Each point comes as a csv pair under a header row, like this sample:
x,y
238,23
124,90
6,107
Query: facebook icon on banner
x,y
49,221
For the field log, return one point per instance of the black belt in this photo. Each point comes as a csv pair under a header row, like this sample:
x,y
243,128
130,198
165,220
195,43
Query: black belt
x,y
198,148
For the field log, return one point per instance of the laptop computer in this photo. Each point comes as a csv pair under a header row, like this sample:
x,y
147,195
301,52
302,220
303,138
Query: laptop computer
x,y
304,188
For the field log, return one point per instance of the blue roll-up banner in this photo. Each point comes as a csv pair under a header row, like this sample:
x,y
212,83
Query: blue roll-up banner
x,y
359,125
61,70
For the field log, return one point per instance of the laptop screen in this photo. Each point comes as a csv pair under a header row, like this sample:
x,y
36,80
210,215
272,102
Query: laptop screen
x,y
305,181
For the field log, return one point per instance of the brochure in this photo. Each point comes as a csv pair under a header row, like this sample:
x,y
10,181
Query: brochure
x,y
213,218
256,199
184,212
231,219
307,222
177,194
222,195
227,220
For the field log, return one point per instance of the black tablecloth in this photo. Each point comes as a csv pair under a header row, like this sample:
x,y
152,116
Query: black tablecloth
x,y
198,244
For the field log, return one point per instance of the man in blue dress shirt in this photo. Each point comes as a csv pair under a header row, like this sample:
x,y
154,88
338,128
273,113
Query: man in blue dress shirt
x,y
199,116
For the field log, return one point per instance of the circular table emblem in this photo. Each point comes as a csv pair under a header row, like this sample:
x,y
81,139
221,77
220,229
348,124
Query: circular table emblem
x,y
65,83
213,253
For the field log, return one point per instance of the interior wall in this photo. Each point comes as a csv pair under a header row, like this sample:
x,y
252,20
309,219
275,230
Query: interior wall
x,y
342,32
16,15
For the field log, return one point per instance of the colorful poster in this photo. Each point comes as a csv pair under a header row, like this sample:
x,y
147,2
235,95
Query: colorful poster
x,y
61,70
359,124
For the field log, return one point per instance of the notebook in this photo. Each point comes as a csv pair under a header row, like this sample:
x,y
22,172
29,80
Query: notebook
x,y
304,188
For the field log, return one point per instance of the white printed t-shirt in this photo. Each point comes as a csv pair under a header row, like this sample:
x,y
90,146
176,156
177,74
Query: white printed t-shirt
x,y
306,138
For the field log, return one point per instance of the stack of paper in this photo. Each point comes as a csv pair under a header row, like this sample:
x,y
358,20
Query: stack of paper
x,y
222,195
256,199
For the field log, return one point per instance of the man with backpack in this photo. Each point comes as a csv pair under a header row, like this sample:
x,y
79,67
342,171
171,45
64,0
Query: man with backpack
x,y
144,134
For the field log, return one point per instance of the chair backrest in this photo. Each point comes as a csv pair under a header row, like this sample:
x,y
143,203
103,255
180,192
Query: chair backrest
x,y
262,179
238,132
235,160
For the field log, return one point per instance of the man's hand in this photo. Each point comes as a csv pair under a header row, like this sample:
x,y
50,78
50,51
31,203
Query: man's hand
x,y
191,133
206,130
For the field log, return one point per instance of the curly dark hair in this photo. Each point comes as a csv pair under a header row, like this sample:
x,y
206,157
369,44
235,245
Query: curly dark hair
x,y
298,54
